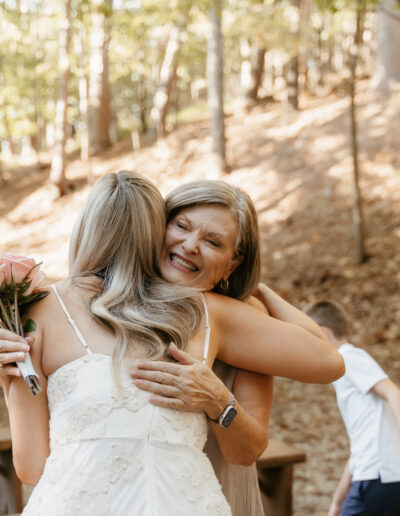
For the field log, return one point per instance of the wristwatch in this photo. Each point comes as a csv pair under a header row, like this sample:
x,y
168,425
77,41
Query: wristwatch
x,y
228,414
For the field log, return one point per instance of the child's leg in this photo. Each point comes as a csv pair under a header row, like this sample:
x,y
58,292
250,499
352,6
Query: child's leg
x,y
352,505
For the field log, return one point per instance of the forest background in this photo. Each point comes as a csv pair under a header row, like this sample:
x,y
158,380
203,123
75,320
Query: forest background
x,y
296,101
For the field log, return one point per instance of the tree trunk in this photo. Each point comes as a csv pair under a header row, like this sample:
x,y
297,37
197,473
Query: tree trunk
x,y
58,164
358,219
292,81
387,61
216,88
162,96
99,89
305,8
142,103
252,70
80,44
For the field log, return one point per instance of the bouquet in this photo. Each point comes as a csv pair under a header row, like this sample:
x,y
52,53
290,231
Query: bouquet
x,y
20,278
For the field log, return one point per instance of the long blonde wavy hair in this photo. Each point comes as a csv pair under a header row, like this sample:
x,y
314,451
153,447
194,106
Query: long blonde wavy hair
x,y
118,238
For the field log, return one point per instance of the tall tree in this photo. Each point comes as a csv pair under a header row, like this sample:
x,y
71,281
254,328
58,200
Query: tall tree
x,y
387,61
252,68
99,87
358,218
58,165
215,77
162,96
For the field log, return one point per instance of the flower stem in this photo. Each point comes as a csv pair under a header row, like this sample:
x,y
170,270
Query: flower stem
x,y
5,315
17,319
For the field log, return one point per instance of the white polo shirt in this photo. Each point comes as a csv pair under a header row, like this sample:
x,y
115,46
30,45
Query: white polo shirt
x,y
371,427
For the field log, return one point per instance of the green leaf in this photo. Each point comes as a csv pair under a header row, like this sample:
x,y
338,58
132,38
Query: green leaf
x,y
29,325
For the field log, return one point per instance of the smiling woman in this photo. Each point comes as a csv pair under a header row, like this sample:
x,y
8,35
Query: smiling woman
x,y
199,248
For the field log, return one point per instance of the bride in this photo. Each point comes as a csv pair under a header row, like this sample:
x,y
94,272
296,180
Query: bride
x,y
91,439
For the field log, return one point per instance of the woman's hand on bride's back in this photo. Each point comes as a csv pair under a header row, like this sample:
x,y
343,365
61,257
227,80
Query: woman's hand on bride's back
x,y
188,385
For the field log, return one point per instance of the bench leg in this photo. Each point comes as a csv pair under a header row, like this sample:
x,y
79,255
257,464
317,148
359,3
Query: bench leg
x,y
276,490
10,485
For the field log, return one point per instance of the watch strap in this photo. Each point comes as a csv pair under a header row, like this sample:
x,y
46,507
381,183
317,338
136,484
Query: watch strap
x,y
219,420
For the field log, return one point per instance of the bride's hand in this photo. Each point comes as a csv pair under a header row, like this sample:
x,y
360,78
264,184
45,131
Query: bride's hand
x,y
12,349
190,385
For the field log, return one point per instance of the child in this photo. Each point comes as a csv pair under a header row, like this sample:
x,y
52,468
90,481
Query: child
x,y
369,403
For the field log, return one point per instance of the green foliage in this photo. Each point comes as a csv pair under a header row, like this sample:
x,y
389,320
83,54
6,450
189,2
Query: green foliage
x,y
29,44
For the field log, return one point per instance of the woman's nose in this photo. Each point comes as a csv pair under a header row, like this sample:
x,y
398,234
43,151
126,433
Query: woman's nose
x,y
190,244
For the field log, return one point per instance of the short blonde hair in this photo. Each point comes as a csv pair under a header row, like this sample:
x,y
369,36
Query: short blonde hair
x,y
118,238
245,278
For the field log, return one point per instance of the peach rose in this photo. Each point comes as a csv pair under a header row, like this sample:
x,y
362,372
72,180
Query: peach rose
x,y
20,266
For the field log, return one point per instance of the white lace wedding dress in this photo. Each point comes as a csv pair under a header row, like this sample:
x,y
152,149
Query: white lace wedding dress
x,y
115,454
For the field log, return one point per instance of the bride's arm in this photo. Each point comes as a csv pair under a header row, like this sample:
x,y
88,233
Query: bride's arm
x,y
244,337
29,417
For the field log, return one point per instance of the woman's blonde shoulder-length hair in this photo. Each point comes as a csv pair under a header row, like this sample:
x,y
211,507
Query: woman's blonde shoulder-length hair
x,y
118,238
245,278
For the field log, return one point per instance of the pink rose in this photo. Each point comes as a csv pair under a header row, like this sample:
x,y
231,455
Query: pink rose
x,y
20,266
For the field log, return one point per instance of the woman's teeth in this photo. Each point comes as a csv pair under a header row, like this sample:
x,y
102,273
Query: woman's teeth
x,y
183,262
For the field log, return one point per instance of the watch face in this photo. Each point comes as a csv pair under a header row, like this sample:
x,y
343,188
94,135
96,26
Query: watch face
x,y
229,417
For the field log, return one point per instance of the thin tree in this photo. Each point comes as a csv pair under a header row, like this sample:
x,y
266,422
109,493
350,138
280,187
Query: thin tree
x,y
358,217
168,69
80,45
215,78
387,60
99,87
252,68
58,164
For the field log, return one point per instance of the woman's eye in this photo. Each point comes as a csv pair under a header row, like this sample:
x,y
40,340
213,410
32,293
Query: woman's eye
x,y
180,225
213,243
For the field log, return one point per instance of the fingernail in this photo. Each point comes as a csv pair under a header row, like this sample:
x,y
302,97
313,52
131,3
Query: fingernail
x,y
21,356
25,347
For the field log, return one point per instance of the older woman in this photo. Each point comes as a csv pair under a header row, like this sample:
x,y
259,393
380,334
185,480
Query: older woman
x,y
200,218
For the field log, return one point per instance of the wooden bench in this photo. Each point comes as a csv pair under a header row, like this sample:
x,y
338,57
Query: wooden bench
x,y
9,482
275,476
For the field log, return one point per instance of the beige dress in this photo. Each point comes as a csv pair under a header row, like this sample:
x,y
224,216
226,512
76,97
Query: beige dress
x,y
239,483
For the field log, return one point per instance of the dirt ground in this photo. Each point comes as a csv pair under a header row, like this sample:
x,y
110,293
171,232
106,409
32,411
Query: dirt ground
x,y
297,167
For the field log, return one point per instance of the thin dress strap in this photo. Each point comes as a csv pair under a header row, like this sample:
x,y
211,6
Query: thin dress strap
x,y
207,337
72,322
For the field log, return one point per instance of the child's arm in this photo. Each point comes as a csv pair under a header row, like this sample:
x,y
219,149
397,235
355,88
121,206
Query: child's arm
x,y
341,492
388,390
248,339
284,311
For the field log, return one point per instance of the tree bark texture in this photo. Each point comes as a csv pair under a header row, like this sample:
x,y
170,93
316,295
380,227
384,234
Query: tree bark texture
x,y
358,218
292,82
162,96
58,164
252,70
99,88
387,60
216,87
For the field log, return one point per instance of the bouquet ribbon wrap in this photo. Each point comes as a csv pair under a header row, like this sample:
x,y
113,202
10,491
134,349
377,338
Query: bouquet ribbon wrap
x,y
29,374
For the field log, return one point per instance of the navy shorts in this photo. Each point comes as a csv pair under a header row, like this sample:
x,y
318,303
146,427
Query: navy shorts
x,y
372,498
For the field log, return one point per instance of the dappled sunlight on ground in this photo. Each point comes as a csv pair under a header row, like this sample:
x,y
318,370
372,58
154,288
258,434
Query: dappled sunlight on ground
x,y
297,167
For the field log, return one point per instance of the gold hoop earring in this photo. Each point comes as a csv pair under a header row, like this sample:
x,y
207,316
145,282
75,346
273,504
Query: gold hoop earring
x,y
224,285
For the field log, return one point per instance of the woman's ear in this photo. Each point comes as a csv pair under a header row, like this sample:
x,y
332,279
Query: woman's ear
x,y
234,263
